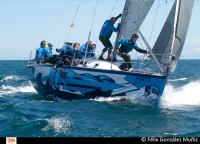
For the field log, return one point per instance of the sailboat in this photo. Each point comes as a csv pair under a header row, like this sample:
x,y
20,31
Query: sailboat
x,y
104,79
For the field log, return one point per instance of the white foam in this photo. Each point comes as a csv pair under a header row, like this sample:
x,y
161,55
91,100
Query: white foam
x,y
184,97
107,99
11,77
58,124
180,79
7,90
188,95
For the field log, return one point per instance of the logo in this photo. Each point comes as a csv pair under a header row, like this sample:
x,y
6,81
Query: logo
x,y
11,140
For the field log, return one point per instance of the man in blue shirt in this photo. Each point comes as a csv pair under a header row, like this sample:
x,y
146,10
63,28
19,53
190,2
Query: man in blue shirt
x,y
67,49
50,46
90,48
127,45
105,34
66,53
76,51
42,53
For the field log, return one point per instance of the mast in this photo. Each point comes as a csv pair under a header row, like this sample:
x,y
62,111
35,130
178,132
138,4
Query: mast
x,y
174,30
183,20
125,12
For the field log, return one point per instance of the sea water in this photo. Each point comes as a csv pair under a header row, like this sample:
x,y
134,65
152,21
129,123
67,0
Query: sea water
x,y
24,112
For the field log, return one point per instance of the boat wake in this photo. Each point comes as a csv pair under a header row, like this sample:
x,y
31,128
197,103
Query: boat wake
x,y
173,98
11,78
186,95
134,99
9,90
12,84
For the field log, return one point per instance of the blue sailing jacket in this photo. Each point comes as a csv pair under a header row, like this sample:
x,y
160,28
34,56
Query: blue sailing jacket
x,y
107,29
69,50
42,53
90,51
127,45
47,52
77,54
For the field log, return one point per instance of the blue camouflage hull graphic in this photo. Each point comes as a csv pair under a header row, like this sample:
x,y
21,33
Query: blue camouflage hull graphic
x,y
85,83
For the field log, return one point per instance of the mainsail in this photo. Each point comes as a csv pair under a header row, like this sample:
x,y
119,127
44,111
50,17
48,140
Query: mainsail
x,y
134,14
169,44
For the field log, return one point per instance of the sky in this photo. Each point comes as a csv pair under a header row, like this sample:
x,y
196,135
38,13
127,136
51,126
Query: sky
x,y
24,23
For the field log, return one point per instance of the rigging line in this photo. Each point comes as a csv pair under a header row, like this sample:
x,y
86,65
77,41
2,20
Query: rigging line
x,y
74,18
59,18
29,61
166,1
149,48
114,5
143,57
154,23
76,12
95,8
94,13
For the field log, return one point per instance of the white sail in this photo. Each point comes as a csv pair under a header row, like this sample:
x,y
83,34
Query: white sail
x,y
169,44
134,14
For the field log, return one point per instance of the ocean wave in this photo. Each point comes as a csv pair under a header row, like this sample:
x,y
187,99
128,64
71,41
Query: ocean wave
x,y
179,79
170,134
11,77
7,90
58,124
191,134
187,95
